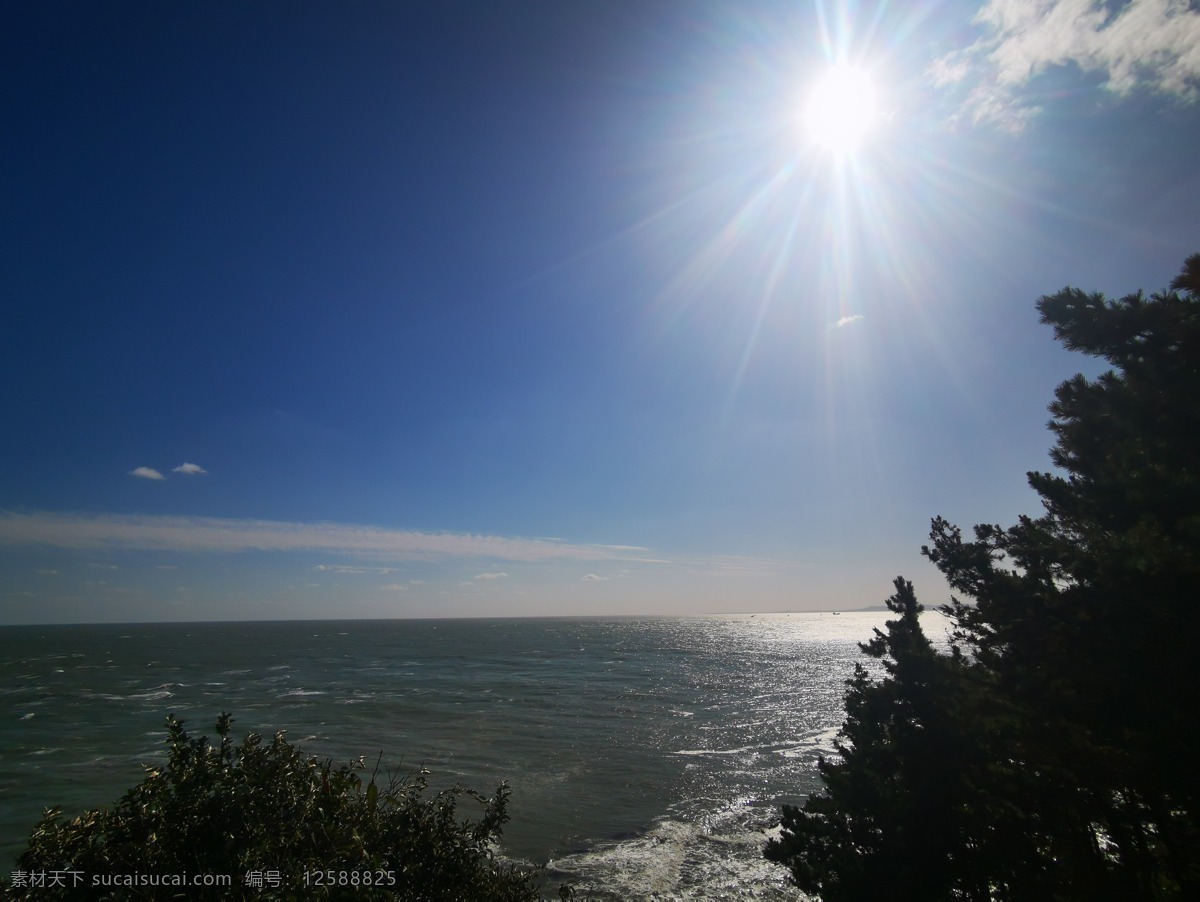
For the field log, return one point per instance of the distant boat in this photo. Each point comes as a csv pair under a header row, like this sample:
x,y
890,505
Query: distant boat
x,y
837,613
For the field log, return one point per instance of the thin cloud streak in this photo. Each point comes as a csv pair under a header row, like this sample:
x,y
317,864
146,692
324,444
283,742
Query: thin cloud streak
x,y
1150,43
339,568
146,473
210,534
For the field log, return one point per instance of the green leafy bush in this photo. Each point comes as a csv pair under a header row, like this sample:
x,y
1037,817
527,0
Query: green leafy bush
x,y
281,825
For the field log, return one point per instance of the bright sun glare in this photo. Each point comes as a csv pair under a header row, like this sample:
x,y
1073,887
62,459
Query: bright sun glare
x,y
841,109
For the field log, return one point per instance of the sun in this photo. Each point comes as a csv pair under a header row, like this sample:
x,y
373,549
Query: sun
x,y
842,109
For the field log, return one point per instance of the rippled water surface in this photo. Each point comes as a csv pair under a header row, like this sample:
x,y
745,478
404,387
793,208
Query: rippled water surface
x,y
645,756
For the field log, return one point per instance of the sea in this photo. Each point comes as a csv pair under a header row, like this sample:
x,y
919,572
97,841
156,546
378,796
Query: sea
x,y
648,757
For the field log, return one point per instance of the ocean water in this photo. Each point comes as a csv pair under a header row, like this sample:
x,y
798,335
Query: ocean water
x,y
647,757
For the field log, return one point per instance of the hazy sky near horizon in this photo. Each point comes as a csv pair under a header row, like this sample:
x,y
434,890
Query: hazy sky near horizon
x,y
367,309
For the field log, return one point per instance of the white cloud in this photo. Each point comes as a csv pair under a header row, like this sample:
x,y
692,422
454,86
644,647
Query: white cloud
x,y
338,568
212,534
1150,43
742,566
479,576
592,577
146,473
188,469
847,320
396,587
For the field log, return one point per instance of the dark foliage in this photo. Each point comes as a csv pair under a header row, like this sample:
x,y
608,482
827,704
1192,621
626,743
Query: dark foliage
x,y
253,807
1049,755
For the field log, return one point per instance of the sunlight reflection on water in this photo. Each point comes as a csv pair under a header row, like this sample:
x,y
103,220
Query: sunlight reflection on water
x,y
616,735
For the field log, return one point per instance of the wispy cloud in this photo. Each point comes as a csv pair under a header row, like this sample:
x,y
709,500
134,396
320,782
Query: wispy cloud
x,y
1145,43
338,568
486,576
188,469
847,320
592,577
146,473
742,566
211,534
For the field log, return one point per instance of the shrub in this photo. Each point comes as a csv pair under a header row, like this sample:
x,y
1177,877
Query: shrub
x,y
281,825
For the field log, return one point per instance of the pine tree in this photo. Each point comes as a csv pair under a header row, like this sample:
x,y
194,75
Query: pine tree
x,y
890,820
1061,728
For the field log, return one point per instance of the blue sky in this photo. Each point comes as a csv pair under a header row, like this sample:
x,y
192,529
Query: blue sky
x,y
400,309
